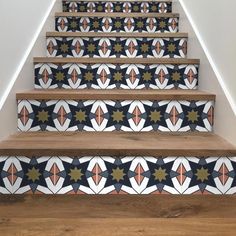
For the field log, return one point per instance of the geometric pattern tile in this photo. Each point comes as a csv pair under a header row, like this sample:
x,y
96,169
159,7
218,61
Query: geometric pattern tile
x,y
6,178
117,175
117,24
106,6
122,115
117,47
115,76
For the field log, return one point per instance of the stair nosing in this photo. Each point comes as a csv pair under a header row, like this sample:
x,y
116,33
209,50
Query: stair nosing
x,y
23,144
115,94
117,35
60,60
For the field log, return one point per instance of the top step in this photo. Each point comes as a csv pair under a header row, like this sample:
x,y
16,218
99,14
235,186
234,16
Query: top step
x,y
144,6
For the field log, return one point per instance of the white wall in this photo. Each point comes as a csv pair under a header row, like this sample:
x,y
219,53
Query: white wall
x,y
21,24
225,119
215,20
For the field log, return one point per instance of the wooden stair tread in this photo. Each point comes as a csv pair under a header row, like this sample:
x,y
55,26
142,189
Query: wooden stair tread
x,y
131,214
123,226
113,94
115,34
116,144
116,60
114,14
117,206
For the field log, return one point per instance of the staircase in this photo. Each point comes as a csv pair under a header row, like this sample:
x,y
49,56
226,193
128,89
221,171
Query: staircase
x,y
116,110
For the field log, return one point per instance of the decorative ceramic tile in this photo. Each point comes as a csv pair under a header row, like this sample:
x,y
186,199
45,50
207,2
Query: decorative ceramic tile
x,y
6,178
117,175
137,175
106,6
107,115
116,76
227,175
117,47
212,175
54,175
126,24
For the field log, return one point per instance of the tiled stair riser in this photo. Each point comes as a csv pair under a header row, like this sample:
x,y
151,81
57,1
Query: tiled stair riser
x,y
116,47
127,6
108,115
126,24
116,76
112,175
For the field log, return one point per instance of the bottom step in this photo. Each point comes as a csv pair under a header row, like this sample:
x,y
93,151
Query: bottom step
x,y
117,163
126,215
117,206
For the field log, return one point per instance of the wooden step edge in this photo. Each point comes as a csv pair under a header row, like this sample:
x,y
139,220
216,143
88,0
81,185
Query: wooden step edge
x,y
115,95
121,144
60,60
35,152
117,35
116,1
80,144
116,14
180,213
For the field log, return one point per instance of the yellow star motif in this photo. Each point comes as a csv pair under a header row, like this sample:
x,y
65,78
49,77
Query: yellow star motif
x,y
73,24
135,8
43,116
202,174
144,47
155,116
80,116
118,47
89,76
33,174
154,8
99,8
117,76
59,76
176,76
171,47
82,8
95,24
140,24
160,174
118,174
117,8
118,116
75,174
118,24
193,116
64,48
162,24
147,76
91,48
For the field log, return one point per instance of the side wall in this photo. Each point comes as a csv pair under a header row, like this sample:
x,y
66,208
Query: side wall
x,y
20,32
225,119
215,22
